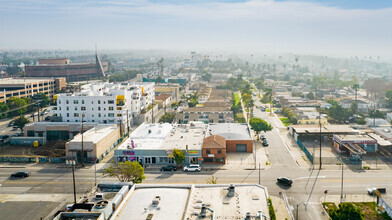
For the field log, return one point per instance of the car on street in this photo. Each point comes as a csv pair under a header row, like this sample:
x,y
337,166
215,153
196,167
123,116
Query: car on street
x,y
21,174
265,143
34,114
192,168
262,137
372,191
47,118
17,134
169,168
285,181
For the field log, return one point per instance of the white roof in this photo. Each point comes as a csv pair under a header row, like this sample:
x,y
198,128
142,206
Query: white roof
x,y
95,134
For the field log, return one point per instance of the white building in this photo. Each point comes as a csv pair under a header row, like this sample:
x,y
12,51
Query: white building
x,y
105,103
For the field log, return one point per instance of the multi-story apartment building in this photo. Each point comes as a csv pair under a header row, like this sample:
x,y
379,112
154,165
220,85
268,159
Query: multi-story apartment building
x,y
105,103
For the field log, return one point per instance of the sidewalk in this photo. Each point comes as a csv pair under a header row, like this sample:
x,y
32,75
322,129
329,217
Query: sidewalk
x,y
348,198
280,208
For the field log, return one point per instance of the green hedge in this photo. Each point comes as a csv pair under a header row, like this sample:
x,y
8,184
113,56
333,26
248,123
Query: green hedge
x,y
271,210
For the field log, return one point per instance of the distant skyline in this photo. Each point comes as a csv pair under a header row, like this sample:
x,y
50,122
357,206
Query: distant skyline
x,y
339,28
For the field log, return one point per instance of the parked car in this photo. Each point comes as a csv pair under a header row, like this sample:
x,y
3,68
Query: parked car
x,y
21,174
265,143
262,137
34,114
169,168
47,118
372,191
192,167
17,134
285,181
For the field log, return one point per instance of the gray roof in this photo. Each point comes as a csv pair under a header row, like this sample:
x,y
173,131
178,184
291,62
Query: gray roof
x,y
231,131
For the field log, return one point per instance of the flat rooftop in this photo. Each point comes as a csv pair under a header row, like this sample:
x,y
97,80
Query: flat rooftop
x,y
230,131
329,129
22,81
139,205
359,137
166,136
95,134
384,131
185,202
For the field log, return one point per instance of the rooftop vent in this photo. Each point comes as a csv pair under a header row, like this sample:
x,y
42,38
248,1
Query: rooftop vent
x,y
203,212
231,190
156,200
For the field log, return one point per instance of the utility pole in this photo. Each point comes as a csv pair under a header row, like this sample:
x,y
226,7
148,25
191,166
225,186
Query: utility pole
x,y
341,187
128,122
95,174
320,135
72,163
82,141
152,112
259,174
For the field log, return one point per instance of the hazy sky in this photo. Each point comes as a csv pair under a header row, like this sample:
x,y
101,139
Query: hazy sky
x,y
323,27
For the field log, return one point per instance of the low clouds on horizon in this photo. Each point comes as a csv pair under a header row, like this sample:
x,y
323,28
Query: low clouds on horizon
x,y
245,26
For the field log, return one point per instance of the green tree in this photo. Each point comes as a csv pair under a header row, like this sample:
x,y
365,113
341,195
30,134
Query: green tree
x,y
126,171
346,211
206,77
361,121
388,96
258,125
42,98
17,103
310,95
158,79
376,114
3,109
175,105
179,156
21,121
338,113
167,118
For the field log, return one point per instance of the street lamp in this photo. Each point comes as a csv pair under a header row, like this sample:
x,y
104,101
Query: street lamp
x,y
72,163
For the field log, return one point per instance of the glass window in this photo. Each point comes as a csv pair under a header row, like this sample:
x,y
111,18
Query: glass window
x,y
76,114
99,101
208,151
75,101
67,101
83,108
219,151
76,108
110,108
99,108
82,101
110,101
110,114
67,108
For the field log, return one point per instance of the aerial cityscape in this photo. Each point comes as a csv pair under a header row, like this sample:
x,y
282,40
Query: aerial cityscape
x,y
191,110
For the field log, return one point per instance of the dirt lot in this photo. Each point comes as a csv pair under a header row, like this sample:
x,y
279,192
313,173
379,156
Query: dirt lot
x,y
50,149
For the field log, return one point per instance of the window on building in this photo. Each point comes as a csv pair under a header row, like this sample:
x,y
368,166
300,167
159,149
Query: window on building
x,y
82,101
220,115
219,151
76,108
75,101
83,108
99,114
99,108
67,114
119,115
110,114
76,114
99,101
208,151
110,101
110,108
59,101
186,116
67,101
67,108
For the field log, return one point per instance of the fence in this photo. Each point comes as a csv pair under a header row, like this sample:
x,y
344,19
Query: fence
x,y
16,159
308,154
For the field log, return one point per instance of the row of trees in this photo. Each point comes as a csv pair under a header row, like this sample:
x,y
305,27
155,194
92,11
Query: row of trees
x,y
17,106
287,112
124,76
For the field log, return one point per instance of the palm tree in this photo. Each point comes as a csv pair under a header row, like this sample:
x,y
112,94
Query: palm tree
x,y
249,104
356,87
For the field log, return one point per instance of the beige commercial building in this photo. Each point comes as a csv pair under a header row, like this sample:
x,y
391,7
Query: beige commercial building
x,y
97,142
28,87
